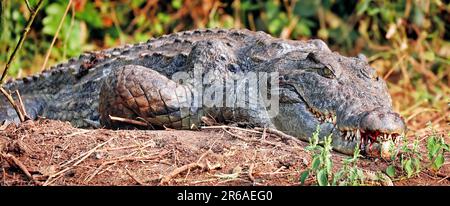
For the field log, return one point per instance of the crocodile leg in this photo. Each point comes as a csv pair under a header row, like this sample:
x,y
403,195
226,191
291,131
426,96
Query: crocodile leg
x,y
140,93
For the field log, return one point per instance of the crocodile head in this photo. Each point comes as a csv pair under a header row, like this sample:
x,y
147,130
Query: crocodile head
x,y
343,95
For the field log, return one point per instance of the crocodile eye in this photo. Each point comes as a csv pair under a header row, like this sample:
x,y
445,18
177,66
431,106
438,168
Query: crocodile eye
x,y
327,73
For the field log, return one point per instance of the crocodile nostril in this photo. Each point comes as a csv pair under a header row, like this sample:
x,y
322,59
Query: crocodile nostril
x,y
383,121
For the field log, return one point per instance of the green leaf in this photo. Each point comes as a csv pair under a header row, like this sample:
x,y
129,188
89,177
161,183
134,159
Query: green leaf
x,y
337,176
163,17
137,3
362,6
360,174
54,13
306,9
316,163
416,163
430,142
90,15
303,176
408,168
54,9
446,147
328,164
176,4
322,178
302,29
429,55
390,171
438,162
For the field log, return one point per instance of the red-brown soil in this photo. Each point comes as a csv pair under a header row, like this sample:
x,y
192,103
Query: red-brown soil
x,y
55,153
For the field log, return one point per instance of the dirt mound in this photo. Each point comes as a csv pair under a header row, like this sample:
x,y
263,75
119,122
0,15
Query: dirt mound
x,y
46,152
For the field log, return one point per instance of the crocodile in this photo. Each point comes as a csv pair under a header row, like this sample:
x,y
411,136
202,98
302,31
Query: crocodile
x,y
164,83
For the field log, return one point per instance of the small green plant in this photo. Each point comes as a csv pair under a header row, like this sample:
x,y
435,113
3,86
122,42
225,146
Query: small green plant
x,y
321,165
350,173
436,147
408,157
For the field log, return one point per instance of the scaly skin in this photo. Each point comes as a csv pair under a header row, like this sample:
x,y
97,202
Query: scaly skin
x,y
317,87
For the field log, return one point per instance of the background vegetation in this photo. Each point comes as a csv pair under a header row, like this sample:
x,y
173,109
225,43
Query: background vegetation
x,y
407,41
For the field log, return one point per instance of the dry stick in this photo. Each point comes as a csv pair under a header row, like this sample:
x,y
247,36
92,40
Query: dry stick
x,y
281,134
442,175
203,155
4,176
181,169
127,158
56,36
22,39
130,121
13,103
250,173
134,177
29,6
83,131
11,159
76,163
444,178
82,155
187,167
230,127
22,106
264,133
252,140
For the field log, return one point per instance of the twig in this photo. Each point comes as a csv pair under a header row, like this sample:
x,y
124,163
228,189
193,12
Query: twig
x,y
29,6
238,136
76,163
22,106
22,39
202,156
444,178
264,133
230,127
181,169
252,140
11,159
127,158
13,104
280,134
4,176
56,35
130,121
72,20
134,177
250,172
84,131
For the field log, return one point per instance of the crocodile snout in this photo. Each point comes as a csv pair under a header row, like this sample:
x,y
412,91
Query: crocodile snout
x,y
383,121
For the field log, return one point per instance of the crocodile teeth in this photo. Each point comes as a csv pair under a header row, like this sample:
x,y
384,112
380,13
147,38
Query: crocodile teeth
x,y
358,134
347,135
